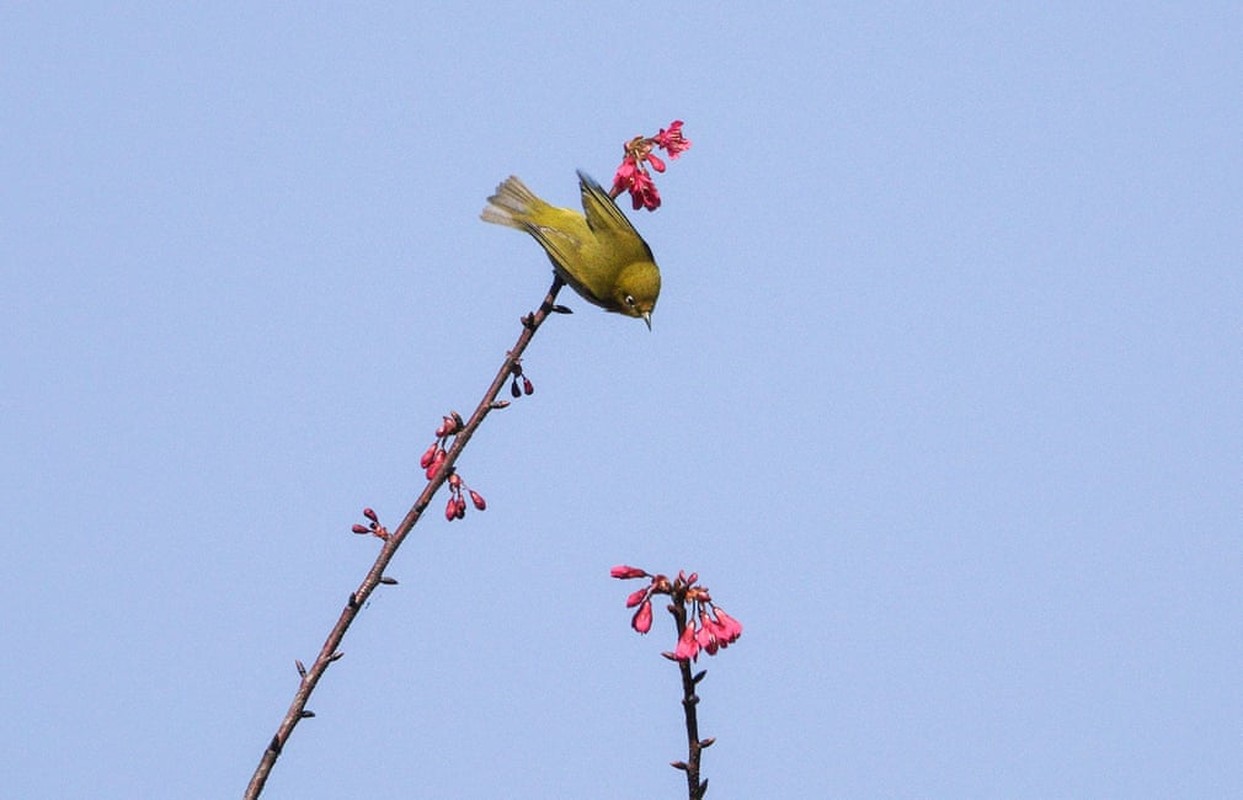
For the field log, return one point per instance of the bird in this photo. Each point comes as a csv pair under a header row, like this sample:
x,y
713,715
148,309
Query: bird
x,y
597,252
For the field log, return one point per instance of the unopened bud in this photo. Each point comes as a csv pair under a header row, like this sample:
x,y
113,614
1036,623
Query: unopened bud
x,y
461,507
478,500
370,514
636,597
451,509
527,386
429,455
434,467
514,391
360,529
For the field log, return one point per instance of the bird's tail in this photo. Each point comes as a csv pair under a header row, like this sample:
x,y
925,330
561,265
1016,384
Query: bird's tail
x,y
513,205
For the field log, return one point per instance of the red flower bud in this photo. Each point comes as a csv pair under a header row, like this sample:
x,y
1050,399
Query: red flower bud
x,y
527,386
434,467
514,391
625,572
360,529
370,514
451,509
460,505
642,619
478,500
636,597
429,455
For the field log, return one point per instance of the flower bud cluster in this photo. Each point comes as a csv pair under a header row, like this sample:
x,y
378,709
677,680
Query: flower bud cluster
x,y
707,626
372,527
434,456
456,507
632,176
433,461
526,387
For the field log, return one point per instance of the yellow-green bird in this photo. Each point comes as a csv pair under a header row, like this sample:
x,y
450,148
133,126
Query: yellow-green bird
x,y
598,252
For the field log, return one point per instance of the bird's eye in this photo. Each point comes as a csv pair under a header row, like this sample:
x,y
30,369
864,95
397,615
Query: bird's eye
x,y
630,300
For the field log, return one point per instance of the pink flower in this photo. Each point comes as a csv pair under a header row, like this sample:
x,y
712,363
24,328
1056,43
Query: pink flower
x,y
625,572
688,648
642,620
729,628
624,177
672,141
643,192
706,637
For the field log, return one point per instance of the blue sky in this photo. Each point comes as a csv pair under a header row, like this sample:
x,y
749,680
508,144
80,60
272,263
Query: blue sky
x,y
942,399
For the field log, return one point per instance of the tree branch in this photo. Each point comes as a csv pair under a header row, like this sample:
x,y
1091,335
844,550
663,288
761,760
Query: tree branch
x,y
330,652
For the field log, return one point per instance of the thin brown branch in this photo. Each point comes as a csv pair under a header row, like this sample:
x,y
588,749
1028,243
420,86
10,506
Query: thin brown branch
x,y
330,652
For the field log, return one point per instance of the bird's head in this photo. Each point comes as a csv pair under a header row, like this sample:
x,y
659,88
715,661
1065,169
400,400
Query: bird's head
x,y
638,286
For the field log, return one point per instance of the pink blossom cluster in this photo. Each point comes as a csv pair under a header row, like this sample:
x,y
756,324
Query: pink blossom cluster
x,y
707,626
633,176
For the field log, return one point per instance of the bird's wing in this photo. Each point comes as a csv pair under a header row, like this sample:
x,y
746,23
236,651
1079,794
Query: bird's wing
x,y
608,222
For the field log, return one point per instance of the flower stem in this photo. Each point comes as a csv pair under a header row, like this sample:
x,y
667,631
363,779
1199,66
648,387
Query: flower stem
x,y
690,701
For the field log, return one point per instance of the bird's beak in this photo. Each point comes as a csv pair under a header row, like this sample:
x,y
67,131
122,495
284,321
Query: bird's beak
x,y
647,317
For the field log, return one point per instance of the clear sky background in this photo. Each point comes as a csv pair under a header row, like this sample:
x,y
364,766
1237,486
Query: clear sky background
x,y
943,399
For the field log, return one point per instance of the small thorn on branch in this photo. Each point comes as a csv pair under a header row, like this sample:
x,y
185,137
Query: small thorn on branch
x,y
336,656
301,668
353,600
706,743
678,765
560,309
387,581
307,714
699,676
499,404
528,321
